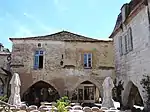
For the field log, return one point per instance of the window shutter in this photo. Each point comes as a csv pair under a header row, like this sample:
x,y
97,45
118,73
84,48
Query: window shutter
x,y
126,43
36,61
120,46
90,60
85,60
82,59
130,39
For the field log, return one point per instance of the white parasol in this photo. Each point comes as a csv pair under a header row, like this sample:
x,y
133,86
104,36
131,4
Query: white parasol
x,y
107,93
15,82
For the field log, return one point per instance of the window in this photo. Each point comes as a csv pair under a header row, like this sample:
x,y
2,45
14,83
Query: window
x,y
126,43
39,44
120,46
38,59
87,60
130,42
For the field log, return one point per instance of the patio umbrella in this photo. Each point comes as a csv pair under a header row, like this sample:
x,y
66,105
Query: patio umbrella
x,y
14,98
107,93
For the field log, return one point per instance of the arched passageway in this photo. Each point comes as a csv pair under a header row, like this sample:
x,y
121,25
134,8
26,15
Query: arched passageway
x,y
40,92
1,87
134,97
86,92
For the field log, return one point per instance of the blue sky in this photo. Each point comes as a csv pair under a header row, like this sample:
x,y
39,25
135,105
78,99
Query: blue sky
x,y
23,18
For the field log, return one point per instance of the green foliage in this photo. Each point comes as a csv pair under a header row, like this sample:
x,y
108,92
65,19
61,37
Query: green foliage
x,y
4,98
146,85
62,103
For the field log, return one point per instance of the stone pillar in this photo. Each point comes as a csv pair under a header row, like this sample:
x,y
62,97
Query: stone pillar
x,y
70,94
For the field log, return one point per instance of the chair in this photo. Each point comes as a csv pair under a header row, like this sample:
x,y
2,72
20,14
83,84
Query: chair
x,y
115,110
14,108
34,111
68,108
23,107
95,109
77,103
31,107
42,106
76,111
53,103
104,108
77,107
87,109
1,108
44,109
53,110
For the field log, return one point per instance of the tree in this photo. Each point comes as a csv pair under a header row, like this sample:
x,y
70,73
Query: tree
x,y
145,82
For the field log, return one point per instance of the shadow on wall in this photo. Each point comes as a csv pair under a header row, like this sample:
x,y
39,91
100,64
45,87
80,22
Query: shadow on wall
x,y
134,97
40,92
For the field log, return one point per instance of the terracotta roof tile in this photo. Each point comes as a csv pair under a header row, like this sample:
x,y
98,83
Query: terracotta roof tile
x,y
61,36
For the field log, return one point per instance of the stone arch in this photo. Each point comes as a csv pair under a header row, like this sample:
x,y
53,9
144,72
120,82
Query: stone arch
x,y
40,91
35,81
80,83
131,92
86,79
1,86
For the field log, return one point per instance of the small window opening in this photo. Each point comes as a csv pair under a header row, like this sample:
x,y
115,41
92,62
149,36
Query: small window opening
x,y
39,44
40,61
62,56
61,63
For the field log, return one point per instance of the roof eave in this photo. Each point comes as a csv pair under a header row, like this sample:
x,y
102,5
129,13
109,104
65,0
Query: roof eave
x,y
115,32
130,17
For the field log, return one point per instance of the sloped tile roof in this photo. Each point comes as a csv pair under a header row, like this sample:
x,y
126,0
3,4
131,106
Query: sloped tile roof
x,y
60,36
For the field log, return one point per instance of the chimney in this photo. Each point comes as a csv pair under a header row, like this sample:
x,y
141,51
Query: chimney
x,y
1,47
124,12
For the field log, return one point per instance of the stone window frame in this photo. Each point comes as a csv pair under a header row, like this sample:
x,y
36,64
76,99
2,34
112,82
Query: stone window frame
x,y
126,42
87,54
36,55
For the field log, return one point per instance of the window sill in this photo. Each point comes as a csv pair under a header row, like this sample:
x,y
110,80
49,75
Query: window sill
x,y
87,67
126,53
37,68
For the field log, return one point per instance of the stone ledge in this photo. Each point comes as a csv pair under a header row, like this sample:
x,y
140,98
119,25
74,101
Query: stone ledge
x,y
106,67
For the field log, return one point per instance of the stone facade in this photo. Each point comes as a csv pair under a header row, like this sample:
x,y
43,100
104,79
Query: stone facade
x,y
131,66
71,73
4,54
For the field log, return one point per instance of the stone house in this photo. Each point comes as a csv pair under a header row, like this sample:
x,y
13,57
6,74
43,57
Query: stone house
x,y
131,38
71,64
4,70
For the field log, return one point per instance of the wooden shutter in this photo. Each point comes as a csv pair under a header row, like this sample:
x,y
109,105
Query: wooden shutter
x,y
36,61
126,43
130,39
120,46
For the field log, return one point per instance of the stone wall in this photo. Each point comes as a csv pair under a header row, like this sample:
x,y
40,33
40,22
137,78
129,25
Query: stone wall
x,y
132,66
3,75
71,73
